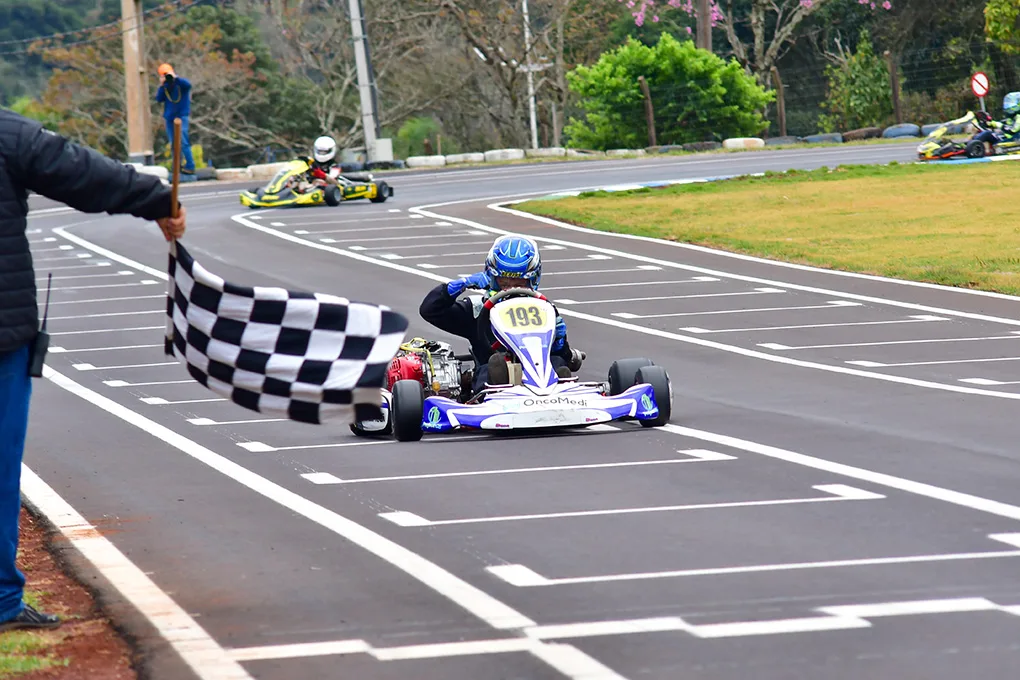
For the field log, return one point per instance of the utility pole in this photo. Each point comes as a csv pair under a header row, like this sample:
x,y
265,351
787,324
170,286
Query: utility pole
x,y
704,25
369,115
531,76
136,84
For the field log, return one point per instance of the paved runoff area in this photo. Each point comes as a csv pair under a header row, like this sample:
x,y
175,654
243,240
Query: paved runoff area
x,y
836,495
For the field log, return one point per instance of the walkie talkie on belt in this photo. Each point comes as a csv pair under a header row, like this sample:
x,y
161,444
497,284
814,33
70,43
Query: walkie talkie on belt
x,y
42,340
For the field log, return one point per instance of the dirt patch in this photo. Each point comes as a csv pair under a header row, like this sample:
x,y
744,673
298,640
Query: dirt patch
x,y
86,646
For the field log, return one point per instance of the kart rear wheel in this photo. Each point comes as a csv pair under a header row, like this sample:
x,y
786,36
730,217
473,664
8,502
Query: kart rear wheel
x,y
623,374
406,408
333,195
975,149
657,377
382,193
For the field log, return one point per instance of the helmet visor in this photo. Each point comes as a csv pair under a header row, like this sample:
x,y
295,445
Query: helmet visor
x,y
506,282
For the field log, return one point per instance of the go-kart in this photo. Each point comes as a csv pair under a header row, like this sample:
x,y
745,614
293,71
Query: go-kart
x,y
429,388
293,185
936,147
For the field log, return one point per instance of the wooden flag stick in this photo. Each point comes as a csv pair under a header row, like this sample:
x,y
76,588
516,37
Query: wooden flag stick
x,y
176,166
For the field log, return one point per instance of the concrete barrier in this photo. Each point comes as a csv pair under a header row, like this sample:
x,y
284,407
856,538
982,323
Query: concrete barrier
x,y
583,153
426,161
744,143
504,155
550,152
455,158
233,174
266,171
157,170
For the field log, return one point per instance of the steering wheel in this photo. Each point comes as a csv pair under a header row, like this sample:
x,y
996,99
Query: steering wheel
x,y
483,316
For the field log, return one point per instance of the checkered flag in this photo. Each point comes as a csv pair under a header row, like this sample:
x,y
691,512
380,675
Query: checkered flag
x,y
307,356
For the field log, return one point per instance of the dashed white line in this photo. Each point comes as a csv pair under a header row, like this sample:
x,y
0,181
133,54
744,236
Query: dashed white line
x,y
90,367
875,364
920,318
64,350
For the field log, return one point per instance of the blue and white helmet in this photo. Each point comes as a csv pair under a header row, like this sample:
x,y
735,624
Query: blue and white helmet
x,y
1011,103
514,257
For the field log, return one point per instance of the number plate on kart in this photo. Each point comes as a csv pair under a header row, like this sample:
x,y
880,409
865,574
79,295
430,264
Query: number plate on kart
x,y
524,314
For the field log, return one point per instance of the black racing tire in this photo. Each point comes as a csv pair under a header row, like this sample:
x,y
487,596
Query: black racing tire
x,y
975,149
332,195
623,374
657,377
499,370
382,192
406,409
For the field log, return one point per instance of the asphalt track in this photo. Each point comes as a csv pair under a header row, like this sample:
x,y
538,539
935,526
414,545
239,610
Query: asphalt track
x,y
836,497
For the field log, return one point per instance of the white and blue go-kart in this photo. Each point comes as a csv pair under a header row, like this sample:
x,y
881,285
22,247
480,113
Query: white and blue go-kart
x,y
523,324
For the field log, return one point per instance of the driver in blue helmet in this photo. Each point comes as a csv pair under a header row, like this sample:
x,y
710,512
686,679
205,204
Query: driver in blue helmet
x,y
512,262
1008,128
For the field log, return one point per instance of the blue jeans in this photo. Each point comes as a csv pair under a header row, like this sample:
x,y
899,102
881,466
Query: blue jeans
x,y
15,394
188,164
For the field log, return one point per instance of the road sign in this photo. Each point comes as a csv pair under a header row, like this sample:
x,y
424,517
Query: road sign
x,y
979,84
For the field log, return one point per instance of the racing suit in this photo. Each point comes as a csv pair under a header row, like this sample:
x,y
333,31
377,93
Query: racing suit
x,y
1005,130
326,170
459,316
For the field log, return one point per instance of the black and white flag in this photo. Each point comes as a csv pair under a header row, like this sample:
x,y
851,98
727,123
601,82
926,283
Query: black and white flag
x,y
308,356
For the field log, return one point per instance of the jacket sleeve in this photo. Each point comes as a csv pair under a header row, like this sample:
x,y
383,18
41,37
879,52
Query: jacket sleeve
x,y
161,94
185,84
442,310
85,179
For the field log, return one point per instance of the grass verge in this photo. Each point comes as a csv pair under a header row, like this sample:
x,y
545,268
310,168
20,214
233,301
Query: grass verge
x,y
936,223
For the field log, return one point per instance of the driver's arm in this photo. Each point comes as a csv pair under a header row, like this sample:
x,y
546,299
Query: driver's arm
x,y
442,310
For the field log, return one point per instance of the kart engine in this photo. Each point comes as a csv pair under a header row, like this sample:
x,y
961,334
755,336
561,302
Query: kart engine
x,y
431,363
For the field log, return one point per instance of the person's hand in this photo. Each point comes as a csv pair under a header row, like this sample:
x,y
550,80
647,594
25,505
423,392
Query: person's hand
x,y
560,337
479,280
173,227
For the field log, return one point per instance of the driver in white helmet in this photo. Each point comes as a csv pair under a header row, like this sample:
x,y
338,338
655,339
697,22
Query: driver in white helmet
x,y
322,164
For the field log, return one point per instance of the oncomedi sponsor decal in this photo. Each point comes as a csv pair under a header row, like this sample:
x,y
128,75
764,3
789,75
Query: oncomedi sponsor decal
x,y
555,401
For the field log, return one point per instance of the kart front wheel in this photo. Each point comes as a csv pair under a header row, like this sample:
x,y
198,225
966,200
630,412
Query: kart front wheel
x,y
657,377
975,149
382,192
623,374
406,408
333,196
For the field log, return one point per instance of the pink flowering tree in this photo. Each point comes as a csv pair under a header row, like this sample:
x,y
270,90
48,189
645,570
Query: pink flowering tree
x,y
773,24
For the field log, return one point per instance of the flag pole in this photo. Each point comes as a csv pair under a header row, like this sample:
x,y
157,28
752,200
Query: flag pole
x,y
176,166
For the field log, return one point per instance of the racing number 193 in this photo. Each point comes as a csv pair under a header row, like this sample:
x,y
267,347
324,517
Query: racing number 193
x,y
524,316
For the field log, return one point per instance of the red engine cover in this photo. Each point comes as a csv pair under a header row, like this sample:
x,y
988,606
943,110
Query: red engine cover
x,y
406,367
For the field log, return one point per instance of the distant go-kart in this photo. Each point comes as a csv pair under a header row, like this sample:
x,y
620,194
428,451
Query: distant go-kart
x,y
429,387
293,185
936,147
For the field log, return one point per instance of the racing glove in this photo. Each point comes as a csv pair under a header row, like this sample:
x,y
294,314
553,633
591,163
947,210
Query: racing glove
x,y
317,173
479,280
560,337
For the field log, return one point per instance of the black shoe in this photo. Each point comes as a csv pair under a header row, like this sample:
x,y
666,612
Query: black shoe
x,y
30,618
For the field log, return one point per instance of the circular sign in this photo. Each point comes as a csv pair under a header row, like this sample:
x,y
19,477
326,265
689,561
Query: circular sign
x,y
979,84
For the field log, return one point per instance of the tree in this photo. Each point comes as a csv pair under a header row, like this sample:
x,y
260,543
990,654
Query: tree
x,y
758,31
696,95
1002,24
859,93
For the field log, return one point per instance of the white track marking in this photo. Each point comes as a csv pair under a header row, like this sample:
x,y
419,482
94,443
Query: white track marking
x,y
359,240
160,401
743,351
426,244
986,381
88,265
64,350
114,299
711,456
840,493
485,607
918,488
831,305
147,282
199,651
125,383
86,276
209,421
98,316
938,363
110,330
924,318
63,233
90,367
696,279
523,577
777,346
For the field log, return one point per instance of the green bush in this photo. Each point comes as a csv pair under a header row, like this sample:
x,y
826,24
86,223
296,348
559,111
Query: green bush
x,y
859,91
411,136
695,94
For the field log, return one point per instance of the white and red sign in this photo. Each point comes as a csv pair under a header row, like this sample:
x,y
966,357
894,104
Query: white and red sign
x,y
979,84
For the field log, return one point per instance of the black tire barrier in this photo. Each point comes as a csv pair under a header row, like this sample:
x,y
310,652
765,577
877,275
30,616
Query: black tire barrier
x,y
702,146
824,138
664,149
903,130
789,139
386,165
862,133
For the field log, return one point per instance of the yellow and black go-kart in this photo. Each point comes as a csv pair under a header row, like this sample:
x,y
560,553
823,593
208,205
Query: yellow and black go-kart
x,y
293,185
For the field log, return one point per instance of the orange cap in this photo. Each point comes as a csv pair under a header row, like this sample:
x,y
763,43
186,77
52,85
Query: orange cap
x,y
165,69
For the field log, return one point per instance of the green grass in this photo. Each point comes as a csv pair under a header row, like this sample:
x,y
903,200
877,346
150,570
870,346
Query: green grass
x,y
949,225
24,652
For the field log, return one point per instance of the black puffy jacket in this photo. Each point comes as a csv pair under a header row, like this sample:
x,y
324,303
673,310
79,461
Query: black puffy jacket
x,y
35,159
